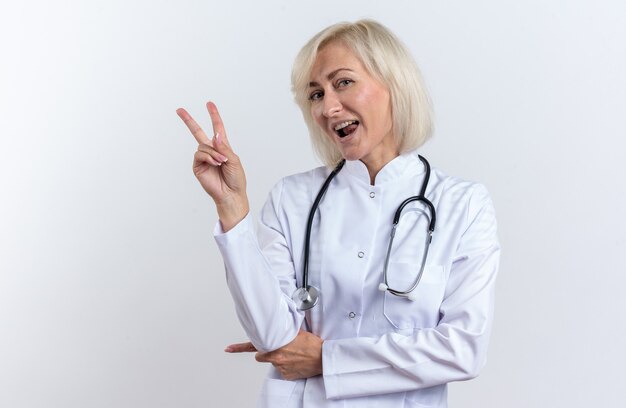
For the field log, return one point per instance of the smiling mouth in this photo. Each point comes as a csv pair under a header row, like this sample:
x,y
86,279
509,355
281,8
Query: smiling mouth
x,y
346,128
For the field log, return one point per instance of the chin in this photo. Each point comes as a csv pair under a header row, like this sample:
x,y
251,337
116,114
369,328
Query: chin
x,y
350,151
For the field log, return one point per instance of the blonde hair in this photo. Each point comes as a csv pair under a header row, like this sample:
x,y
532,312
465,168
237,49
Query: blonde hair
x,y
387,60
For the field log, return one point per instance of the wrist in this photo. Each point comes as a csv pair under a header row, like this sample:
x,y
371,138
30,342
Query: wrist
x,y
232,211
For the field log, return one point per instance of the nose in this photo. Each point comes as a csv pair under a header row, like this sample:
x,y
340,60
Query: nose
x,y
332,105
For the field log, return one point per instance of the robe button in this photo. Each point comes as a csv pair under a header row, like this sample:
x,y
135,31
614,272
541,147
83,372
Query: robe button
x,y
372,194
361,254
351,315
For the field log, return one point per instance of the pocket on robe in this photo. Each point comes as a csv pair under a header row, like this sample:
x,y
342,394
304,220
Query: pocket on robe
x,y
403,313
278,393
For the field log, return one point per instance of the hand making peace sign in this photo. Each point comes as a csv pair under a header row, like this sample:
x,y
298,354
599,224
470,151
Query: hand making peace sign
x,y
218,169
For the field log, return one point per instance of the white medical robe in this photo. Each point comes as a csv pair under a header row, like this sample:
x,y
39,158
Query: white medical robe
x,y
379,350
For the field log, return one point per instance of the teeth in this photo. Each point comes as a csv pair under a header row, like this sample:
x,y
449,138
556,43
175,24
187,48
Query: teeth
x,y
344,124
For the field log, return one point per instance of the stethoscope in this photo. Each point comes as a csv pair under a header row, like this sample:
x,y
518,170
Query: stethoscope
x,y
306,297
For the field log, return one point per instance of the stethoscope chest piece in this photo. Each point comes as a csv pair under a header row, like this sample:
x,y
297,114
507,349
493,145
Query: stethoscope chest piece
x,y
306,298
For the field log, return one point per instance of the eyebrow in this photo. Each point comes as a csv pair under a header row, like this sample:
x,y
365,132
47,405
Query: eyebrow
x,y
329,76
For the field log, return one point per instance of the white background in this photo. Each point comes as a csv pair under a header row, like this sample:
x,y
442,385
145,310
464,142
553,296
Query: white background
x,y
112,292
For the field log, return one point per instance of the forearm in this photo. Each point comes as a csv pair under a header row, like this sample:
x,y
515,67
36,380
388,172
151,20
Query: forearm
x,y
394,363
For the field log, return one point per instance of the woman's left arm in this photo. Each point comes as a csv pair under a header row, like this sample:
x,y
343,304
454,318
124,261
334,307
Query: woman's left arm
x,y
454,350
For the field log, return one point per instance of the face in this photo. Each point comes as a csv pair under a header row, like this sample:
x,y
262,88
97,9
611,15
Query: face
x,y
351,106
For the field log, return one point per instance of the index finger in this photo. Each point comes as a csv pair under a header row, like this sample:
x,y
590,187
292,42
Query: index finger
x,y
240,348
193,127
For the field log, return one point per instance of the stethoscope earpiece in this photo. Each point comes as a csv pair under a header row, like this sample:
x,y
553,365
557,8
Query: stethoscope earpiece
x,y
412,296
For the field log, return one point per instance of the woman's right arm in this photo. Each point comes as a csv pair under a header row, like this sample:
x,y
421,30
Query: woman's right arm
x,y
259,269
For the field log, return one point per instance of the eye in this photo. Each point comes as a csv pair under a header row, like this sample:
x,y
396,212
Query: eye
x,y
344,82
315,96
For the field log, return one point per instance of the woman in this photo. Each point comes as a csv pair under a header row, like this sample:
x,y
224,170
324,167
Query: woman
x,y
361,345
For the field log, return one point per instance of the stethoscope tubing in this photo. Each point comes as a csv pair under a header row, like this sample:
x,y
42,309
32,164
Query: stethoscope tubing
x,y
308,295
316,203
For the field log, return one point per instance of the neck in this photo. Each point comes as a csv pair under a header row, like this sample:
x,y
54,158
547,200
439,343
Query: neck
x,y
375,164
